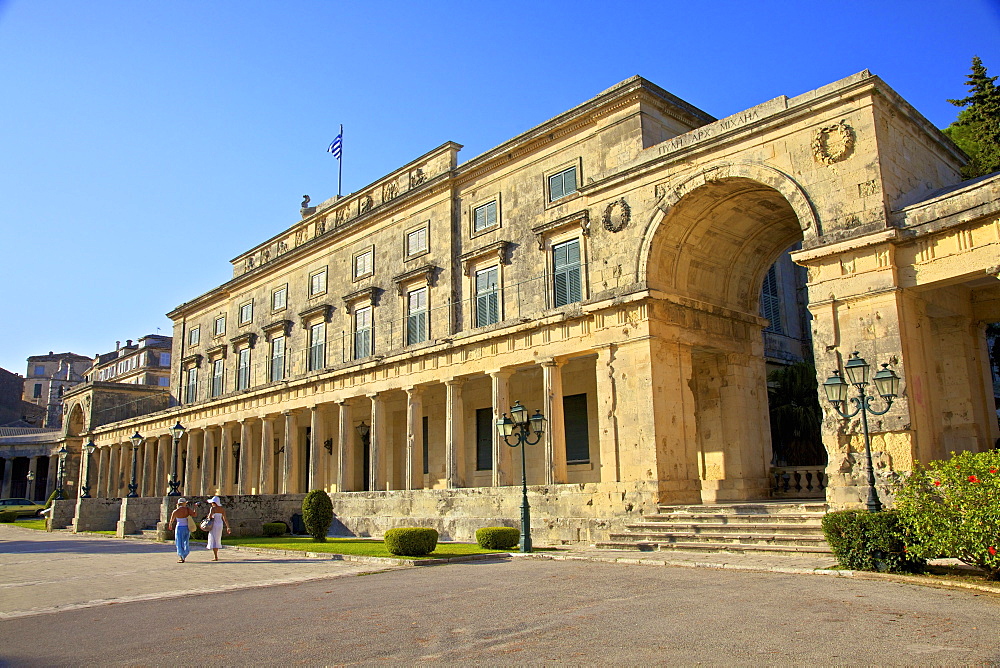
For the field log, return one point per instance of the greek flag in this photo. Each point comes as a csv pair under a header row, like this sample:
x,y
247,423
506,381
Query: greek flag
x,y
335,146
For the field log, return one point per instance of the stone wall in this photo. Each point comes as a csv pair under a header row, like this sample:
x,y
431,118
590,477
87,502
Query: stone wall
x,y
96,514
247,513
139,513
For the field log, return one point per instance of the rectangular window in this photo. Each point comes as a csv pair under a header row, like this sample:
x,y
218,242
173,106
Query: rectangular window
x,y
218,377
416,316
484,217
484,439
243,369
362,332
770,302
194,336
40,370
246,313
562,184
567,281
416,241
279,298
163,381
277,358
191,389
487,297
364,264
317,347
220,326
577,429
317,283
37,391
164,359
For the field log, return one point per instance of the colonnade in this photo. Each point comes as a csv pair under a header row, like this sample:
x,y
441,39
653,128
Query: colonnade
x,y
372,441
43,472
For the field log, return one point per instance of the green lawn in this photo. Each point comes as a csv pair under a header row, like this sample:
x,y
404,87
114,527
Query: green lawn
x,y
367,547
32,524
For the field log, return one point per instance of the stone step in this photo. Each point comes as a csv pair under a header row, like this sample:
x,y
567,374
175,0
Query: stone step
x,y
744,538
747,508
735,548
703,527
812,519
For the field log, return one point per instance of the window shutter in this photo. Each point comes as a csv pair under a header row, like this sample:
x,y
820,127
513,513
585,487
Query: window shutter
x,y
555,187
577,429
567,283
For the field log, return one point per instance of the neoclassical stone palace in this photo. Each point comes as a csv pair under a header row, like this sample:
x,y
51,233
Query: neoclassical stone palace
x,y
605,268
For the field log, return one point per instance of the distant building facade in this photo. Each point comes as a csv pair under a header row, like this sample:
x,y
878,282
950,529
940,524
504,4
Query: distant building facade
x,y
48,377
146,362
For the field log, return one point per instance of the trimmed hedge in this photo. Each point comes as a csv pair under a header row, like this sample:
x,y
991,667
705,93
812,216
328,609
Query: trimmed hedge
x,y
8,516
866,541
498,538
415,542
272,529
317,514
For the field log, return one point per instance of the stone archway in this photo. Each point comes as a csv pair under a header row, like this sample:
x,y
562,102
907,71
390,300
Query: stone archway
x,y
704,257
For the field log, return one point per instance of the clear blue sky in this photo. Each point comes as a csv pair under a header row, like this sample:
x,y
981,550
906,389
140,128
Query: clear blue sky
x,y
145,144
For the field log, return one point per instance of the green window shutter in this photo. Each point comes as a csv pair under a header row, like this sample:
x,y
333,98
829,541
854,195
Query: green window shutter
x,y
577,429
567,276
484,439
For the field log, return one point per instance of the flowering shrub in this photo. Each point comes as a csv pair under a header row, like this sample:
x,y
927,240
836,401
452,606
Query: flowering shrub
x,y
953,509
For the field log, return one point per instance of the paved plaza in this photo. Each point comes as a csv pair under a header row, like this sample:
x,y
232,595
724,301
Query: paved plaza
x,y
79,600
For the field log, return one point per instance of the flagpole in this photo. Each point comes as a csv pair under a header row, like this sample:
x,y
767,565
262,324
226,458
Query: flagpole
x,y
340,163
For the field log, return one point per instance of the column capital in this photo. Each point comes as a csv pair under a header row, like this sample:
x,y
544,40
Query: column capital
x,y
553,361
501,373
455,382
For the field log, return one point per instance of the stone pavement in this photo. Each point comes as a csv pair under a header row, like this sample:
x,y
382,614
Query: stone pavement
x,y
50,572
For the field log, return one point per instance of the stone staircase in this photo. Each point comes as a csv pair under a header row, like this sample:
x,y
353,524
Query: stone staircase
x,y
782,527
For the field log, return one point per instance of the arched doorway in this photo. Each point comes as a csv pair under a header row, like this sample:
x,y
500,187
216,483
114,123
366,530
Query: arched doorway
x,y
705,260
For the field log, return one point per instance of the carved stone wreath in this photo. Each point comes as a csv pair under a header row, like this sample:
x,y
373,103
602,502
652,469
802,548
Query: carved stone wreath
x,y
616,221
833,143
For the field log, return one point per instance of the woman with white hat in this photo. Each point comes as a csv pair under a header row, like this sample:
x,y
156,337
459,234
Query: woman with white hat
x,y
217,515
181,517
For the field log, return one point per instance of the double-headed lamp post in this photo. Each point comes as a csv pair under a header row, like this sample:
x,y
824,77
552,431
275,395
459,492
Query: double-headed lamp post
x,y
133,487
887,384
522,437
89,448
62,452
176,432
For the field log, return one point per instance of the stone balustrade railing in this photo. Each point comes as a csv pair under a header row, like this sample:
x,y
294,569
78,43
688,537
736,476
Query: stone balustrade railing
x,y
799,481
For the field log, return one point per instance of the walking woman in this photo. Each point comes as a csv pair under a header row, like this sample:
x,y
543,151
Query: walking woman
x,y
180,522
218,516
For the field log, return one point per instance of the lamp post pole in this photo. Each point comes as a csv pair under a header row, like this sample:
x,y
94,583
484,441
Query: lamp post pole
x,y
176,432
524,426
887,384
61,472
133,487
88,447
29,493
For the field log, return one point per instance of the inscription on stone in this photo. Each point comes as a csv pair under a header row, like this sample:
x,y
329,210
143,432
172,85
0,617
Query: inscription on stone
x,y
710,130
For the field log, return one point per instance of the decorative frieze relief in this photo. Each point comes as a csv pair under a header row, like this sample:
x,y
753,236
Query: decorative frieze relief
x,y
616,215
833,143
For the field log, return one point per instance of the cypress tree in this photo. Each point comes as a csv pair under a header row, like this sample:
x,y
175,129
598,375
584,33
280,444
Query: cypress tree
x,y
977,129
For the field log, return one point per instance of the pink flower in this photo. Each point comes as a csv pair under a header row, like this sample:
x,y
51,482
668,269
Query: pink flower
x,y
992,551
973,478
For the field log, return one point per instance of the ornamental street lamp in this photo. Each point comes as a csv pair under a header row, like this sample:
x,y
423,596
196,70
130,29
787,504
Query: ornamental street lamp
x,y
89,448
62,452
177,431
31,478
133,487
887,384
524,426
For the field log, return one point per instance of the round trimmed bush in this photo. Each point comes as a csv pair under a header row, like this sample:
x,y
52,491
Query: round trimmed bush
x,y
498,538
411,542
317,514
865,541
8,516
272,529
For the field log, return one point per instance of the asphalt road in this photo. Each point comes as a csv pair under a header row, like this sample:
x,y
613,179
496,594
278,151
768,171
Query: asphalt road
x,y
523,612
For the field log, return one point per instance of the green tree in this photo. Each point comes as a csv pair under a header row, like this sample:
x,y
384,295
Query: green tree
x,y
317,514
796,418
977,129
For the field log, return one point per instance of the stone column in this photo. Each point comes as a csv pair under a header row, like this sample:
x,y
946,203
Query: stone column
x,y
101,474
114,471
377,442
244,482
454,434
316,462
148,485
33,485
501,405
607,404
345,451
555,438
414,438
207,484
266,456
194,438
163,465
225,485
290,480
8,472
